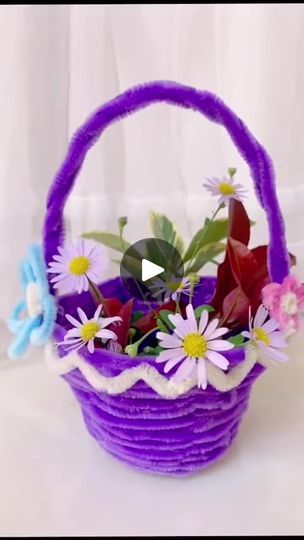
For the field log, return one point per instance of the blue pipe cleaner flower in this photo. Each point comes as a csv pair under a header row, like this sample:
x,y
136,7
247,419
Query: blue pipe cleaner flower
x,y
33,319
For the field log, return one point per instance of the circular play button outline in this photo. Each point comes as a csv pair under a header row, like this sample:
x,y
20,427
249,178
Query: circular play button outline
x,y
152,269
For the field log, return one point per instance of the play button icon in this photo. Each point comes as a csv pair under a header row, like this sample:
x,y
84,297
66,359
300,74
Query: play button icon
x,y
151,270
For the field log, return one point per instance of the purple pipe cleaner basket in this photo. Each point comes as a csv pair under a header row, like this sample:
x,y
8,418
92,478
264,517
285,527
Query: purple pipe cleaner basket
x,y
128,404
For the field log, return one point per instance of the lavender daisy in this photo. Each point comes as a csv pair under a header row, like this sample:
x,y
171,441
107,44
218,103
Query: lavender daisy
x,y
185,287
266,336
77,264
225,189
193,344
171,290
87,330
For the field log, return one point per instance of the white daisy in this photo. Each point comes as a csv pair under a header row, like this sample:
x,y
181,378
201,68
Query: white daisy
x,y
172,289
86,330
78,263
193,344
266,336
225,189
184,287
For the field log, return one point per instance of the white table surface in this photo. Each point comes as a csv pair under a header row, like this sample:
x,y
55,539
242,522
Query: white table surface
x,y
55,480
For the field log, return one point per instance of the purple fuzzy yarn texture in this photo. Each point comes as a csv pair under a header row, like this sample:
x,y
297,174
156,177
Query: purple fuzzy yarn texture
x,y
170,437
187,97
174,437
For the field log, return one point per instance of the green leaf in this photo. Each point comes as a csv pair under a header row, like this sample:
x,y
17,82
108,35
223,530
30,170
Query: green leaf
x,y
198,311
137,315
153,351
238,341
108,239
164,315
164,229
212,232
205,255
161,326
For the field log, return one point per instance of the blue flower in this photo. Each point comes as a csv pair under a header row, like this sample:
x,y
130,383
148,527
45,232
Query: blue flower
x,y
33,319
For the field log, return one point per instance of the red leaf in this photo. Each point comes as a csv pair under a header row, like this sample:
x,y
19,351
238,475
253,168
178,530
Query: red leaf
x,y
235,309
256,293
257,276
148,321
239,223
261,256
224,284
239,229
242,270
262,275
112,306
122,329
243,265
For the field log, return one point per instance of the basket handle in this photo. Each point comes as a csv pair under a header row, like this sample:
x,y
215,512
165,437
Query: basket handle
x,y
207,104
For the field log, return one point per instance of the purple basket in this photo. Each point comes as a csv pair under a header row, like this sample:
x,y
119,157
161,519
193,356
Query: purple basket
x,y
149,432
139,427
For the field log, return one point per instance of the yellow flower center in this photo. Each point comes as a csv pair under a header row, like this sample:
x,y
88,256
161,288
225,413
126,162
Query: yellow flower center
x,y
89,330
195,345
173,285
79,265
226,188
261,335
176,286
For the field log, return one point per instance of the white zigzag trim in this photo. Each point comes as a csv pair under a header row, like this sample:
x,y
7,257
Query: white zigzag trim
x,y
217,378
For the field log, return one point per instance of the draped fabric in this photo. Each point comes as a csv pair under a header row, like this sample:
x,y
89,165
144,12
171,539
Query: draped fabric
x,y
59,63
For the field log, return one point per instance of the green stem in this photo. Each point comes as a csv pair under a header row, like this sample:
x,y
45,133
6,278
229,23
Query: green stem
x,y
216,212
132,349
132,333
96,294
178,309
191,293
121,239
122,222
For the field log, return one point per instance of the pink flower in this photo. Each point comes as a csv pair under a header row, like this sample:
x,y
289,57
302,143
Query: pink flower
x,y
285,302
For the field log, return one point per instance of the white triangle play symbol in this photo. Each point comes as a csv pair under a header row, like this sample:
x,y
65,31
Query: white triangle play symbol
x,y
150,270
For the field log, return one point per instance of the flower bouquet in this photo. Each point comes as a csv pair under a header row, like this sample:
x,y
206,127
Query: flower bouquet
x,y
163,384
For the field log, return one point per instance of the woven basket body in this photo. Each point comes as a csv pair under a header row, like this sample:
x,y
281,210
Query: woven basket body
x,y
169,437
164,436
138,426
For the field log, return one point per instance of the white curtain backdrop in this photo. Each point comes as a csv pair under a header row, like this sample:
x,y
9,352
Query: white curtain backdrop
x,y
59,63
